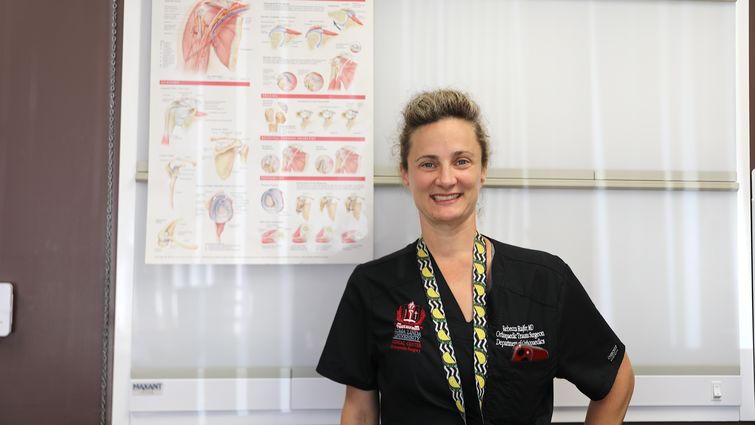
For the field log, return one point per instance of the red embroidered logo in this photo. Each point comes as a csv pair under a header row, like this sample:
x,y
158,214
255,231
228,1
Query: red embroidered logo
x,y
407,335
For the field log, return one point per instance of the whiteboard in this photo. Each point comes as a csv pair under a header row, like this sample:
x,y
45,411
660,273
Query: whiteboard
x,y
620,85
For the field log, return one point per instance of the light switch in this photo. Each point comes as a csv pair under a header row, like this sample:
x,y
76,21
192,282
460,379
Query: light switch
x,y
6,308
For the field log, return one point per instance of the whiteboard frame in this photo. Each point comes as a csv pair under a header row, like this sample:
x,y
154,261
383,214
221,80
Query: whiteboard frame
x,y
679,398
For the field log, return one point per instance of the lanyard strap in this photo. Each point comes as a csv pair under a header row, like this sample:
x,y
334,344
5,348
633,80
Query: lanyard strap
x,y
442,331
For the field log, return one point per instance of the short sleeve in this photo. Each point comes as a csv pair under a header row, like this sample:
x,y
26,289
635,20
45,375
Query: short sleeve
x,y
590,353
347,357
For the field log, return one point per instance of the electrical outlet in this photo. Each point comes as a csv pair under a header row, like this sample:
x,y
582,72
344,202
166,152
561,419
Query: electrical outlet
x,y
716,389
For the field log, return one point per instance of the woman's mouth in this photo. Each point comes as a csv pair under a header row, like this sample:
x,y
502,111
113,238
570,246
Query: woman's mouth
x,y
448,197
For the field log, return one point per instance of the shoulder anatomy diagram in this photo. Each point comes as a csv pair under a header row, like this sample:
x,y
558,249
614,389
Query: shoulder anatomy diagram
x,y
260,112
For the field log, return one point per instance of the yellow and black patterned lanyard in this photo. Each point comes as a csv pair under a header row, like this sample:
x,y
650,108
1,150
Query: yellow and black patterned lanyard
x,y
442,331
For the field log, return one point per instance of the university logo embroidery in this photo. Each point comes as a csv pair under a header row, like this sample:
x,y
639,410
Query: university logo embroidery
x,y
407,335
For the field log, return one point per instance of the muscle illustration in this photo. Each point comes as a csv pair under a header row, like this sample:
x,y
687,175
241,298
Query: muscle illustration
x,y
294,159
317,36
220,208
281,36
344,18
180,113
271,236
226,150
349,236
166,238
347,161
212,24
314,81
342,70
173,168
300,234
324,235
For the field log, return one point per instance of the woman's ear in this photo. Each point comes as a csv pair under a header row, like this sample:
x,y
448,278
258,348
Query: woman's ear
x,y
484,175
404,176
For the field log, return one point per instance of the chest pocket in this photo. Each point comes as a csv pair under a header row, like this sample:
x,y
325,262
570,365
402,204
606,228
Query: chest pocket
x,y
517,392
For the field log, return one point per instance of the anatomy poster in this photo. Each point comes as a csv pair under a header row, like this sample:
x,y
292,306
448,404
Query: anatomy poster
x,y
260,146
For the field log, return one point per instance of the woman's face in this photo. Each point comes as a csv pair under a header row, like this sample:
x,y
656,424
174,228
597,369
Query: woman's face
x,y
445,172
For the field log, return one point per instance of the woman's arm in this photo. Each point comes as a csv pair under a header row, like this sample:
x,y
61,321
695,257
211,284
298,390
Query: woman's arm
x,y
359,407
612,408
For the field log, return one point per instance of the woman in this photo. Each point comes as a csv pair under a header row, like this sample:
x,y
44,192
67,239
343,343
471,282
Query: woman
x,y
457,327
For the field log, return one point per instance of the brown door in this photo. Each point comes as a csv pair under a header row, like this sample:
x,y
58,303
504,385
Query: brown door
x,y
54,125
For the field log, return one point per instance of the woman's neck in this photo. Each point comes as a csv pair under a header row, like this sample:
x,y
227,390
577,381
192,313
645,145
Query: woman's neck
x,y
447,241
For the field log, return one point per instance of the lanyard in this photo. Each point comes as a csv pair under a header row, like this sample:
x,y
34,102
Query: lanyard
x,y
442,331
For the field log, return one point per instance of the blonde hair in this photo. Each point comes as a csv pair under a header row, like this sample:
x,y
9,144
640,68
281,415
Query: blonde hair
x,y
432,106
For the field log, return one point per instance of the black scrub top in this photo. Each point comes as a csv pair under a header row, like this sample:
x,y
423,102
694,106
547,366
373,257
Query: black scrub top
x,y
533,299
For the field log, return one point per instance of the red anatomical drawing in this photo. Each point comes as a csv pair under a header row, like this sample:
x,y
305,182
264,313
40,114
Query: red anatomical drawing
x,y
318,36
342,70
345,18
281,36
212,25
300,234
347,161
294,159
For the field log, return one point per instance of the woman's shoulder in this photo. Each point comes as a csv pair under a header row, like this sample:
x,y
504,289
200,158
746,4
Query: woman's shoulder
x,y
388,269
530,272
527,256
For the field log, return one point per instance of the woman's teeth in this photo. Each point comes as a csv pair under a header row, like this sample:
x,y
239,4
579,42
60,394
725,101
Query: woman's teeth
x,y
445,197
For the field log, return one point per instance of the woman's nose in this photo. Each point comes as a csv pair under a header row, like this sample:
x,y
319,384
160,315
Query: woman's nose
x,y
446,176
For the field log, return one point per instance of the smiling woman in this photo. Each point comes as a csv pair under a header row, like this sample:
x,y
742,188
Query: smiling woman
x,y
429,334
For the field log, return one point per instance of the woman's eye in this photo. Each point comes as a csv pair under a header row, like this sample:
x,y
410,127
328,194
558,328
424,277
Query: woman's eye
x,y
426,165
463,161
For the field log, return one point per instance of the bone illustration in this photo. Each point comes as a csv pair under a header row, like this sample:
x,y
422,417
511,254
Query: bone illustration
x,y
327,117
225,152
212,25
317,36
166,238
180,113
304,115
324,164
220,208
303,206
314,81
342,70
173,168
272,200
281,36
350,115
275,117
286,81
270,163
329,203
271,236
294,159
325,235
301,234
344,18
347,161
353,205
